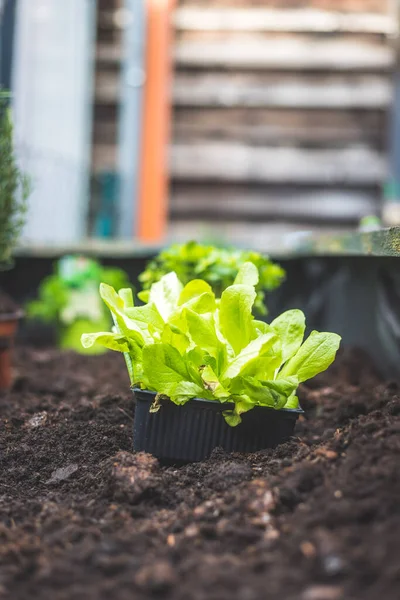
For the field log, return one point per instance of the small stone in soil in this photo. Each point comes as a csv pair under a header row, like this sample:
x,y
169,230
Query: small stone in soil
x,y
322,592
62,473
191,530
171,540
37,420
325,453
308,549
333,565
159,577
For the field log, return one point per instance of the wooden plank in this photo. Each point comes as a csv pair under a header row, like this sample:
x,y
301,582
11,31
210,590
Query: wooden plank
x,y
104,157
235,162
103,5
281,54
105,132
210,37
108,53
105,112
219,89
271,237
377,6
284,54
328,128
228,162
238,202
108,87
114,19
267,19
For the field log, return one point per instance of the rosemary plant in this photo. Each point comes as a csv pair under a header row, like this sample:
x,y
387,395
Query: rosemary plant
x,y
14,186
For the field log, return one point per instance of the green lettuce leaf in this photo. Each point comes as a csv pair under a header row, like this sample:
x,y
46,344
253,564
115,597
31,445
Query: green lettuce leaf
x,y
125,324
184,391
290,327
314,356
235,316
265,393
174,337
112,341
164,368
146,317
292,402
212,384
194,289
242,405
262,367
165,294
247,275
255,349
201,329
126,296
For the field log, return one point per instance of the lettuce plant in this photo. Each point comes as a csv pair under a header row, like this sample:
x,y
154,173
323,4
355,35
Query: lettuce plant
x,y
57,292
184,343
217,266
69,300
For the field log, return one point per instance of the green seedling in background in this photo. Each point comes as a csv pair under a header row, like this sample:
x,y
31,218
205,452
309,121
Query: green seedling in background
x,y
186,343
217,266
370,223
69,300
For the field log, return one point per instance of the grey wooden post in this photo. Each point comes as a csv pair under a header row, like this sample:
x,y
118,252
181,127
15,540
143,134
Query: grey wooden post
x,y
130,116
391,206
7,19
52,103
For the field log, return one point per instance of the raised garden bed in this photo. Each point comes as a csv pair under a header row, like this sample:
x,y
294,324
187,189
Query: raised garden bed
x,y
345,283
84,517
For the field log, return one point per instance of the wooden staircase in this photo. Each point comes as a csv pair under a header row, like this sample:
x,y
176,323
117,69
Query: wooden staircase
x,y
280,111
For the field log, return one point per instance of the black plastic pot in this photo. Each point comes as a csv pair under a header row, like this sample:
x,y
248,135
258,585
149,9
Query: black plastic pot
x,y
189,433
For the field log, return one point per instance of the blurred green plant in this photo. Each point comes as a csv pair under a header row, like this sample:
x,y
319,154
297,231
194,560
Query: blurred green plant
x,y
217,266
14,186
69,299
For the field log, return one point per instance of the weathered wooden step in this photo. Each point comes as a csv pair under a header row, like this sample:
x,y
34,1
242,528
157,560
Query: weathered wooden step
x,y
219,89
284,54
305,20
247,90
237,162
257,203
275,54
280,127
219,162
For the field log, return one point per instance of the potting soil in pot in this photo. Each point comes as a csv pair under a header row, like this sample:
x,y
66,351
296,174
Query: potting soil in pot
x,y
7,306
82,517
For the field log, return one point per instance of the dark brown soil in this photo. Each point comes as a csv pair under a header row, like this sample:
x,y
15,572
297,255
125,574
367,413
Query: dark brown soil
x,y
82,517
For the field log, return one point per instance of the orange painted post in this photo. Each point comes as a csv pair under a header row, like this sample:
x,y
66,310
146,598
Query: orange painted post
x,y
153,195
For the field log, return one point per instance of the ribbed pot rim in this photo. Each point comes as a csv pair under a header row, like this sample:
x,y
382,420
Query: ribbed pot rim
x,y
224,405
